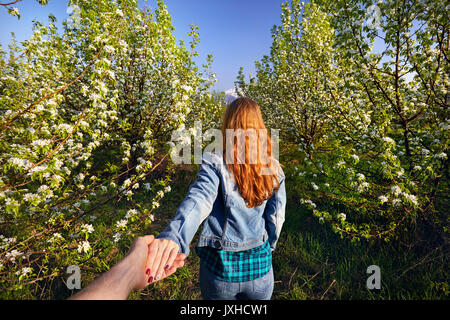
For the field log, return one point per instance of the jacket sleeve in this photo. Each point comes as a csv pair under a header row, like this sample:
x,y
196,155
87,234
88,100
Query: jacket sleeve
x,y
274,213
196,207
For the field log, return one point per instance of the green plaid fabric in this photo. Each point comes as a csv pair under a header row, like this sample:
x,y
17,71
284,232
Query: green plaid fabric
x,y
238,266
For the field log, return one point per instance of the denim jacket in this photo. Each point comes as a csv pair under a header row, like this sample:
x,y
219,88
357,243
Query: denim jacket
x,y
214,200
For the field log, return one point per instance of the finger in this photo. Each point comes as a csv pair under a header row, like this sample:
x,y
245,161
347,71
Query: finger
x,y
148,239
172,257
163,262
148,262
152,252
178,263
180,256
170,271
161,245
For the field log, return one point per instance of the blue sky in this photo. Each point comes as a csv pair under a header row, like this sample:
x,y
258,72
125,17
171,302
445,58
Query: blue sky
x,y
235,32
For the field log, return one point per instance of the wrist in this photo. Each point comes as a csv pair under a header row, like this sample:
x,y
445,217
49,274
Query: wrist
x,y
120,279
117,283
128,272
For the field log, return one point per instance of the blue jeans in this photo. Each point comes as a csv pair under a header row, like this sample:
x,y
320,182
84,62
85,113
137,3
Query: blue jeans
x,y
213,289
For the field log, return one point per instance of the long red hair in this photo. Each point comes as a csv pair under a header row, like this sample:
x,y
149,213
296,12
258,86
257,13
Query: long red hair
x,y
257,180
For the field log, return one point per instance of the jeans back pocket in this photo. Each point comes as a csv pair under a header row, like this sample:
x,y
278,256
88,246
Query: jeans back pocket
x,y
264,284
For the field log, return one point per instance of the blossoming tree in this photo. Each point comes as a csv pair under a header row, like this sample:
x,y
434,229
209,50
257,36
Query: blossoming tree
x,y
85,115
371,120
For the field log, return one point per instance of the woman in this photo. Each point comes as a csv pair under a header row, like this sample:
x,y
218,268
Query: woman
x,y
242,206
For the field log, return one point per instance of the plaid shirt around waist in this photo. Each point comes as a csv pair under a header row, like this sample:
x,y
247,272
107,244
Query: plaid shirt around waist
x,y
237,266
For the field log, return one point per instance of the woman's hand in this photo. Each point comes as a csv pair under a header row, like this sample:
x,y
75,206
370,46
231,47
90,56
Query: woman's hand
x,y
139,255
162,258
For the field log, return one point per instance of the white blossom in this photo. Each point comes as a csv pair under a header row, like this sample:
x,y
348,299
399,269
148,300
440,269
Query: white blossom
x,y
411,198
116,236
37,169
13,254
186,88
14,11
56,236
6,241
80,177
88,228
24,271
131,213
383,199
396,190
43,188
441,155
121,223
126,183
40,142
363,186
388,140
308,202
84,247
109,49
23,163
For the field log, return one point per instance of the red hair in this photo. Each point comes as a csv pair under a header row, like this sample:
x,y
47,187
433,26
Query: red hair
x,y
256,179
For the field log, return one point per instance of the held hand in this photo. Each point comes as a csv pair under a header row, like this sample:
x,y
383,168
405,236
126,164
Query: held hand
x,y
162,258
177,263
138,255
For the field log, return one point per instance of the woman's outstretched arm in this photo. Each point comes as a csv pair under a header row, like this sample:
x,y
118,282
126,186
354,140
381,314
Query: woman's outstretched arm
x,y
190,214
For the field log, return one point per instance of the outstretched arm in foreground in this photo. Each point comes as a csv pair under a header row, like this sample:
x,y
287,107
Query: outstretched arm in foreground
x,y
128,274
